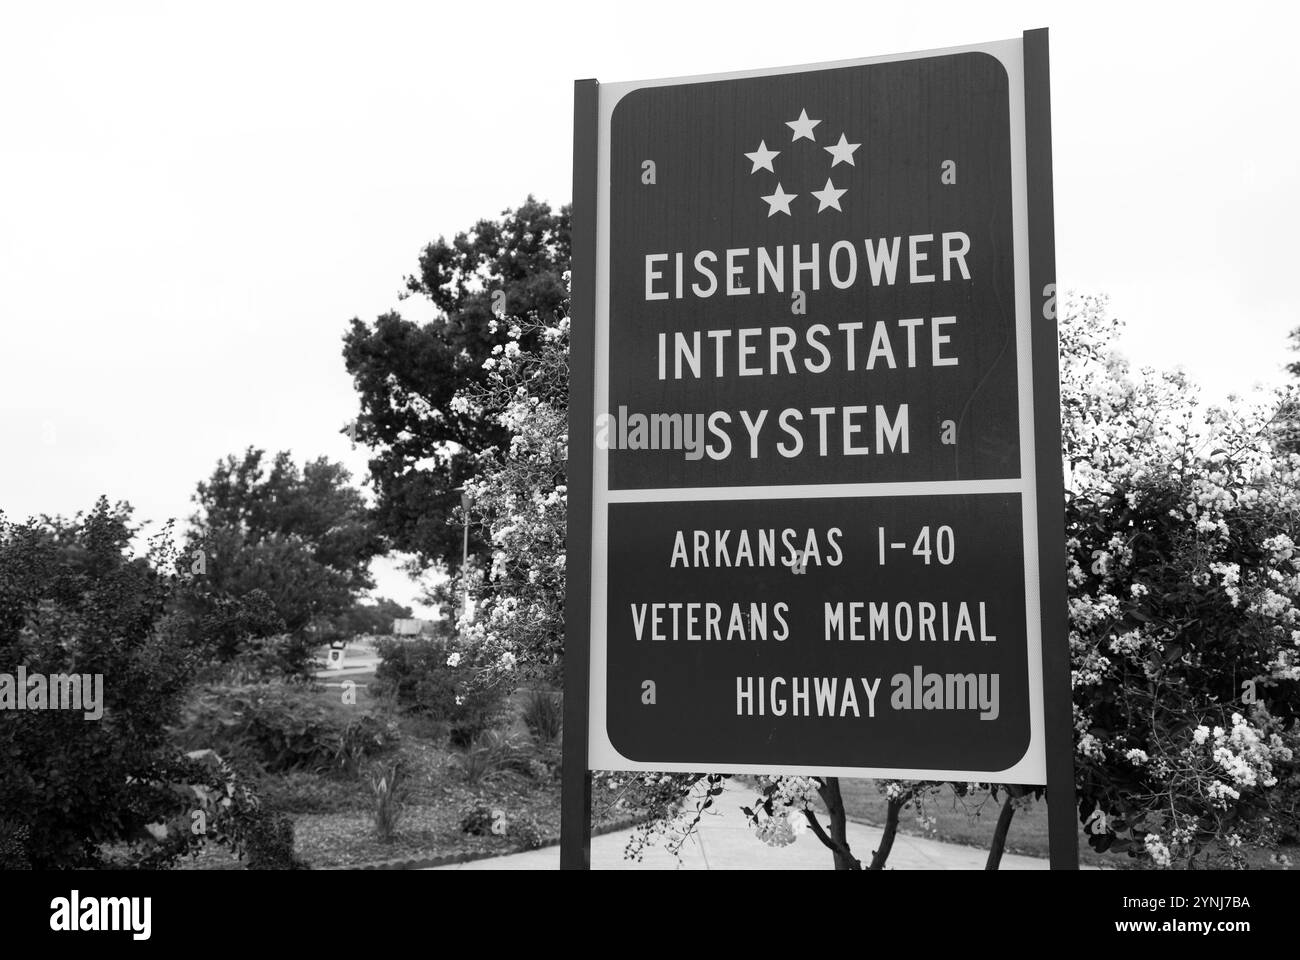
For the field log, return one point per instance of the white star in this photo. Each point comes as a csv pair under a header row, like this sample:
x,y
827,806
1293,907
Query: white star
x,y
762,157
779,201
842,152
827,197
803,127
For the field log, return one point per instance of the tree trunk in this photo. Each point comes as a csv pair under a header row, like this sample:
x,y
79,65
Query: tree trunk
x,y
892,811
1000,833
838,840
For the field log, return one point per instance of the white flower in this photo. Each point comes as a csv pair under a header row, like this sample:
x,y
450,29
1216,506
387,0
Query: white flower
x,y
1158,852
454,660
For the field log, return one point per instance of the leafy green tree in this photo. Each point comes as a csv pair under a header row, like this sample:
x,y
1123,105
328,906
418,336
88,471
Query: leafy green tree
x,y
407,373
75,600
274,549
375,619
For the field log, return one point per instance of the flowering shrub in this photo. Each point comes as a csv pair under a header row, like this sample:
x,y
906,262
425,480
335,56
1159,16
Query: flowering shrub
x,y
1184,606
519,498
428,678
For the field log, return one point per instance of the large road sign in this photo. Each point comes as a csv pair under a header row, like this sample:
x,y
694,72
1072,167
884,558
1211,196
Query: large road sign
x,y
820,422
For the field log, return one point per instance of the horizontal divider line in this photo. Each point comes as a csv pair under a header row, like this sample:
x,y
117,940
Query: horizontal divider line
x,y
923,488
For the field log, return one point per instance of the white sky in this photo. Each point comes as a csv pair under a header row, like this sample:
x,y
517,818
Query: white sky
x,y
195,200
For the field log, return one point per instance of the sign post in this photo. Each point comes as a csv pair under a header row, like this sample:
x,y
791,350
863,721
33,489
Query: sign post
x,y
815,509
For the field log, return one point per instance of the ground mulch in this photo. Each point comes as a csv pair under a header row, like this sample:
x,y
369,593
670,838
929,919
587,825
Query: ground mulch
x,y
430,827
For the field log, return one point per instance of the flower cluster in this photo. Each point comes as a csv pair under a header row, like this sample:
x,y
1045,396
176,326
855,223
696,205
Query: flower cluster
x,y
519,500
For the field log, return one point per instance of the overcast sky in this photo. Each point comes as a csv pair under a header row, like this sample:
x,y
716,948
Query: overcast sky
x,y
194,200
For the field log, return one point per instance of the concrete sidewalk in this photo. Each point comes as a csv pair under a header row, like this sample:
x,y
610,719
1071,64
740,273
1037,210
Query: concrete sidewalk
x,y
724,841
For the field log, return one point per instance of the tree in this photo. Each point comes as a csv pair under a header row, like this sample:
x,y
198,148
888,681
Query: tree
x,y
75,600
373,619
406,373
1288,433
1184,580
277,550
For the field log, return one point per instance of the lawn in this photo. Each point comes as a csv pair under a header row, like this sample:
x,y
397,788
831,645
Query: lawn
x,y
958,820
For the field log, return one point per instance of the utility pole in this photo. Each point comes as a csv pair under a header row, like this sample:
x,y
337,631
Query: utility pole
x,y
465,502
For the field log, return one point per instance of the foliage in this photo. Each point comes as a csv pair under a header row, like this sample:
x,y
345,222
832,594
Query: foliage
x,y
525,831
269,844
74,598
1184,606
491,753
406,373
372,619
389,794
281,728
1288,433
278,550
519,500
264,658
480,820
544,715
441,682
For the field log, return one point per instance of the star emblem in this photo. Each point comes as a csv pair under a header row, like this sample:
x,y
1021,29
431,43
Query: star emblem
x,y
803,127
827,197
762,157
780,202
842,152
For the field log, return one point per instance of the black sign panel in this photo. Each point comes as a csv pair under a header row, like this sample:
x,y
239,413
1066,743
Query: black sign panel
x,y
813,274
863,632
811,283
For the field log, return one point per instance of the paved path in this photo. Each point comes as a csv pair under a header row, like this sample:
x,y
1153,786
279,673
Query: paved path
x,y
725,842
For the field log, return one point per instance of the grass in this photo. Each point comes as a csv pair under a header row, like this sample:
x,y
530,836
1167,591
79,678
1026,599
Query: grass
x,y
958,820
963,821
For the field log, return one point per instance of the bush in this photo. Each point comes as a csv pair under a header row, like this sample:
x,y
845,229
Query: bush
x,y
544,715
492,753
269,844
430,679
262,659
479,820
75,599
525,831
282,728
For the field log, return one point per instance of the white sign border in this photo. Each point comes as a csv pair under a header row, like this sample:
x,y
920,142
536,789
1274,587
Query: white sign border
x,y
602,755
